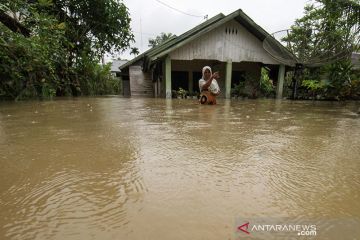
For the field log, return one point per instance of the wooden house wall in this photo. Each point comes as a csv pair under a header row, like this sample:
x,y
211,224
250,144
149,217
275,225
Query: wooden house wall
x,y
229,41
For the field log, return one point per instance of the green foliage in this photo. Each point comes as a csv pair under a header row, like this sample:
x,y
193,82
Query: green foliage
x,y
98,25
328,31
31,63
312,85
134,51
95,79
340,74
62,53
238,90
324,38
354,90
160,39
266,85
182,93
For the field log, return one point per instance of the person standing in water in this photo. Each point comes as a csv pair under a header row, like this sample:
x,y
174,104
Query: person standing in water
x,y
209,88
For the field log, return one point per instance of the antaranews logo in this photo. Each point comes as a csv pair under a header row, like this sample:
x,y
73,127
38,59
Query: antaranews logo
x,y
244,228
298,229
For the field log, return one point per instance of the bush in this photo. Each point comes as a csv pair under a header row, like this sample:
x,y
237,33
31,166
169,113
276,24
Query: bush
x,y
182,93
339,79
314,86
266,85
60,56
239,90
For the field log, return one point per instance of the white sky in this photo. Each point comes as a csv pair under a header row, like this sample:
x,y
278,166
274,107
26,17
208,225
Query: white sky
x,y
151,17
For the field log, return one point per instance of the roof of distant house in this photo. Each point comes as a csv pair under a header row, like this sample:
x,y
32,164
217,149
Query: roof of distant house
x,y
355,60
116,64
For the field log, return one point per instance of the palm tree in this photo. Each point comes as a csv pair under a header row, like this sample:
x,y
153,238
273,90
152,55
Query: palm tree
x,y
153,42
134,51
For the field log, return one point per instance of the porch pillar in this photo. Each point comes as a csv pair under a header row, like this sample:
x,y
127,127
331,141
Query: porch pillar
x,y
156,88
191,84
168,76
228,79
280,82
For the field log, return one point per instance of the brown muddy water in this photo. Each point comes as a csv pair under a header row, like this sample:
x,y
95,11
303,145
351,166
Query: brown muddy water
x,y
116,168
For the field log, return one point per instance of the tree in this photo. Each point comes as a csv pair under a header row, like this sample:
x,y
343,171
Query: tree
x,y
96,26
134,51
66,40
325,36
327,29
160,39
13,24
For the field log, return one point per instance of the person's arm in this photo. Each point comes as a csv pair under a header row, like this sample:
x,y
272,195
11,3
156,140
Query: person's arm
x,y
208,82
217,94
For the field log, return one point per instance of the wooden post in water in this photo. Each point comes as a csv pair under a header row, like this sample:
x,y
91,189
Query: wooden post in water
x,y
280,82
168,76
228,79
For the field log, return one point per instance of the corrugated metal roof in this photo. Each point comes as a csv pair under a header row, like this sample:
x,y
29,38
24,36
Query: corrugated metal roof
x,y
355,60
116,64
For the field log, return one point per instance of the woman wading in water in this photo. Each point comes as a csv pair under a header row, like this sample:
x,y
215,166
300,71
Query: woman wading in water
x,y
208,86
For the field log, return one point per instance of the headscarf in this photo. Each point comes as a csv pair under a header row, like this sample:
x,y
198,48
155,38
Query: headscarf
x,y
203,71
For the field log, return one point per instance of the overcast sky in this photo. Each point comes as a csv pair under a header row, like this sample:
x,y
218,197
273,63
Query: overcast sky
x,y
151,17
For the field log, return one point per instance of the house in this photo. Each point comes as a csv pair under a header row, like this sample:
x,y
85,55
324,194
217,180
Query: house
x,y
355,60
116,72
115,64
232,45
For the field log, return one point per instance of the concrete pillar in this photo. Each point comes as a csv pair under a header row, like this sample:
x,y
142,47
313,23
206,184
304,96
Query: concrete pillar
x,y
228,79
280,82
168,76
191,82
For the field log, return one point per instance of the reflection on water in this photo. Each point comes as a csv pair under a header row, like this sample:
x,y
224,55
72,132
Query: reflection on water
x,y
112,168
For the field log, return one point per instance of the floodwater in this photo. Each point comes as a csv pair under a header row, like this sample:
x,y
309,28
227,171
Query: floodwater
x,y
117,168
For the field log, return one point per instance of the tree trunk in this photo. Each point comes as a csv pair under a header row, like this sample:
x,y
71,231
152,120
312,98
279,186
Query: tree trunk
x,y
13,24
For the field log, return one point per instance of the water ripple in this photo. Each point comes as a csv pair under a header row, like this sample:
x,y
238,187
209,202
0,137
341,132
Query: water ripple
x,y
69,197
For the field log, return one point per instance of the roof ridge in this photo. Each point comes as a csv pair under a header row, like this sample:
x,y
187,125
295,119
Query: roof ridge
x,y
193,30
193,33
200,29
167,42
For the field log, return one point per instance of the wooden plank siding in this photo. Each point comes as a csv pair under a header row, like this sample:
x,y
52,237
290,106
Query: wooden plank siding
x,y
228,41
